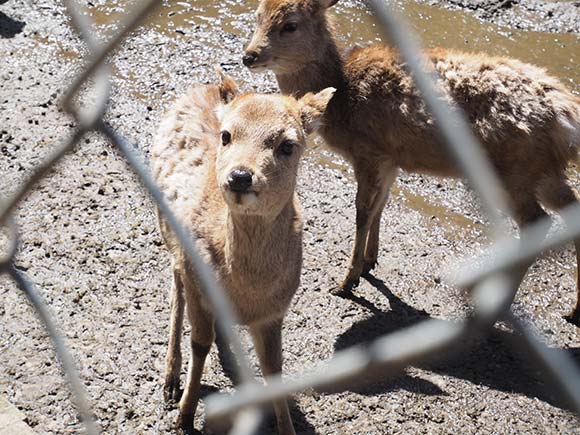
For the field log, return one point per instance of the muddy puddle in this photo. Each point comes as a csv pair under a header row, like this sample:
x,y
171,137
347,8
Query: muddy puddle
x,y
434,26
558,52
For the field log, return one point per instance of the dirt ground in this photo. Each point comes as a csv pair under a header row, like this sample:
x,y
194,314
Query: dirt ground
x,y
90,244
559,16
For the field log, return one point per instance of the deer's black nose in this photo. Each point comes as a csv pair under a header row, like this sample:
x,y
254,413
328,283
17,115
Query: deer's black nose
x,y
250,58
240,180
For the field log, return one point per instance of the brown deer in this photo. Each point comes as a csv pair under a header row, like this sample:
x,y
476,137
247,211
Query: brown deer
x,y
227,164
528,122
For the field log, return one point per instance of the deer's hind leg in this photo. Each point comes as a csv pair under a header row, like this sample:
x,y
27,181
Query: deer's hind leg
x,y
527,211
373,183
557,194
372,244
171,389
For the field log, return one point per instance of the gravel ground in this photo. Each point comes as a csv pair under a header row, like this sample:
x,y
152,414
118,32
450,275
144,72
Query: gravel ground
x,y
90,243
539,15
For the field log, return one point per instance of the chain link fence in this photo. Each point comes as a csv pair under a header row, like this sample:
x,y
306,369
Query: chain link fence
x,y
493,283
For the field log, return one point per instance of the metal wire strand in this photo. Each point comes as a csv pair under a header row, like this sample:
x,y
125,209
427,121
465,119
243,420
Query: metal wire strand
x,y
100,54
83,26
451,122
492,293
558,366
62,352
385,356
90,119
209,286
7,206
494,284
508,252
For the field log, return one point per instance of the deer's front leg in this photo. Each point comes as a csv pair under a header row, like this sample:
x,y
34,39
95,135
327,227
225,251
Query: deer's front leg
x,y
268,342
202,337
171,389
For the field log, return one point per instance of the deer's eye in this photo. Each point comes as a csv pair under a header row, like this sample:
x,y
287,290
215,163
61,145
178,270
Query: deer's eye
x,y
286,147
226,137
289,27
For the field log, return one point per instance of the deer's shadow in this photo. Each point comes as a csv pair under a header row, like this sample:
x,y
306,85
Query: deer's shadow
x,y
494,360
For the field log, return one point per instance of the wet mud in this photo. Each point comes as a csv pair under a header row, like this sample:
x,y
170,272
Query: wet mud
x,y
90,242
557,16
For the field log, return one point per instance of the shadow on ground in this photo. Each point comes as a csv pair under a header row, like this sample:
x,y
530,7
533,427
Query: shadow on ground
x,y
9,27
494,361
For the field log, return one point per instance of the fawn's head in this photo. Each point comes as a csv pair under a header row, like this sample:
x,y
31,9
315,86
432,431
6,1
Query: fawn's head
x,y
287,34
262,138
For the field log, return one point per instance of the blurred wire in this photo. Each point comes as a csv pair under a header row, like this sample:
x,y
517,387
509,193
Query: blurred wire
x,y
62,352
493,282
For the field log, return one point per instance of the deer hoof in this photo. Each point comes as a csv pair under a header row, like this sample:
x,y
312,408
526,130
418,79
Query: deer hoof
x,y
345,289
185,424
171,390
368,266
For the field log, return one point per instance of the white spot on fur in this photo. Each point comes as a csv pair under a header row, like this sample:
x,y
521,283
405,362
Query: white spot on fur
x,y
240,202
260,68
292,134
249,199
220,112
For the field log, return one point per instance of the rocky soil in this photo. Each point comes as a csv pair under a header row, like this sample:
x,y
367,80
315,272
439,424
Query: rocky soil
x,y
90,244
538,15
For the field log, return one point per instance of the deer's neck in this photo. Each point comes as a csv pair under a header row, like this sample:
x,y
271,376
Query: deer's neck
x,y
326,71
252,241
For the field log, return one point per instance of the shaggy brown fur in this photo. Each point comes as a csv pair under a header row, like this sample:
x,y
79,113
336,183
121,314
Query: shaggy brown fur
x,y
528,122
251,239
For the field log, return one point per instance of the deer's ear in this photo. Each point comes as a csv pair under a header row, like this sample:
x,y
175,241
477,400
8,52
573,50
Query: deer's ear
x,y
227,86
313,107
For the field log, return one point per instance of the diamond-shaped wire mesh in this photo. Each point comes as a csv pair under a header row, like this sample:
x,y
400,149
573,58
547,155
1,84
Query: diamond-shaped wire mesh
x,y
493,284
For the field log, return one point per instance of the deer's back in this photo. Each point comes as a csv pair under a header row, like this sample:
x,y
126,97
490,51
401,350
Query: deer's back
x,y
183,160
515,109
